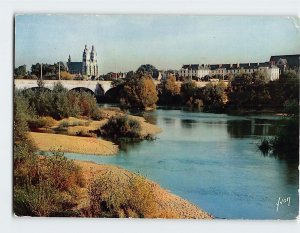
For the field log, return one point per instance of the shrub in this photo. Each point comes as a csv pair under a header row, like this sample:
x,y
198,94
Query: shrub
x,y
97,114
115,197
121,126
46,186
41,122
85,133
265,146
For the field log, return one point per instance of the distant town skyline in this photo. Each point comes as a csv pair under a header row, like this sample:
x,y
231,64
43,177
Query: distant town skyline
x,y
124,42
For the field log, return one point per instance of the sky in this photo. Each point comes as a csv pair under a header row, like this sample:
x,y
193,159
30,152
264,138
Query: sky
x,y
124,42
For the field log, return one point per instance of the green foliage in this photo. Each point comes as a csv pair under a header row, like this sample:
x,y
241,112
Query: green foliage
x,y
22,113
43,186
117,82
61,103
254,92
214,96
49,71
285,88
112,198
121,127
188,92
249,91
20,71
285,144
139,91
148,70
41,122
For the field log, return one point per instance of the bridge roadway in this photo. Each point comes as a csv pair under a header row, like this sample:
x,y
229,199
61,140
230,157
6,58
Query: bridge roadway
x,y
97,87
94,86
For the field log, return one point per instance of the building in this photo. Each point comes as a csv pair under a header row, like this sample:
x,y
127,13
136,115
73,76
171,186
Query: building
x,y
88,66
194,71
286,62
224,70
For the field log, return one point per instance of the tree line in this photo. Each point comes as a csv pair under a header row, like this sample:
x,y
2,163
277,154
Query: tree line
x,y
243,92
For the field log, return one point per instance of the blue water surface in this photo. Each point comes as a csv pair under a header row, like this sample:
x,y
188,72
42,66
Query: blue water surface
x,y
212,160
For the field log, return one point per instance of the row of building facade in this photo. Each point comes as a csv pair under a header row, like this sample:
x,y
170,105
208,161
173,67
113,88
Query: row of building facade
x,y
272,68
225,70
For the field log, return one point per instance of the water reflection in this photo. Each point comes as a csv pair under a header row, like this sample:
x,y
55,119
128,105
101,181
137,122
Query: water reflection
x,y
251,127
127,146
151,118
169,121
188,123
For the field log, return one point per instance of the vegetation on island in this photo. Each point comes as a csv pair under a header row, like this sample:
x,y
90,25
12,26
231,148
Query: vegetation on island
x,y
121,126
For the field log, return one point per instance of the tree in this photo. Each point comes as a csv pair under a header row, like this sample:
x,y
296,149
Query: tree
x,y
285,88
148,70
64,75
188,91
49,71
140,92
214,96
20,71
249,91
169,91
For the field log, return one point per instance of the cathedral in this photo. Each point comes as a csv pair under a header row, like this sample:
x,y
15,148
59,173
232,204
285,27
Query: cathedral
x,y
88,66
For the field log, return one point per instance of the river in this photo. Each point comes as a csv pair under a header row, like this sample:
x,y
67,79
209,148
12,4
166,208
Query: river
x,y
212,160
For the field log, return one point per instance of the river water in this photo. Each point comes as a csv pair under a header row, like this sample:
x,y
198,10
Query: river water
x,y
212,160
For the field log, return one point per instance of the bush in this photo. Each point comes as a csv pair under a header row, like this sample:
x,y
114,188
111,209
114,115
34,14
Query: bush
x,y
46,186
131,197
41,122
121,126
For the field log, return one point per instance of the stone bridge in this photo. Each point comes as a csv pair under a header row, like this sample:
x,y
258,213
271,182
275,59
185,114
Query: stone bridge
x,y
97,87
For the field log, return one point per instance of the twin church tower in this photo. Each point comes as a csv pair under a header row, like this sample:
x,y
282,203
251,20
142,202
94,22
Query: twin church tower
x,y
88,66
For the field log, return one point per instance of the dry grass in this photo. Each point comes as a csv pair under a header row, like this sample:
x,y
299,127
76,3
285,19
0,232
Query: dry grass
x,y
167,205
65,143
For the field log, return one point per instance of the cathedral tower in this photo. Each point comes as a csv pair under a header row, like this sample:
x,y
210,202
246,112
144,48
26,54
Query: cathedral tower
x,y
93,63
86,69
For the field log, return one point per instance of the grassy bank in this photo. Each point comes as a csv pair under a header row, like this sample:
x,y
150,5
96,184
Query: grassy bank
x,y
73,144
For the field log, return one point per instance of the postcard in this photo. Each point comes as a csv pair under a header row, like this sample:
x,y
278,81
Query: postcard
x,y
156,116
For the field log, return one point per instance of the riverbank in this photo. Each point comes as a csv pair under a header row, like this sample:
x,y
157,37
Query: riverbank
x,y
167,204
73,144
77,135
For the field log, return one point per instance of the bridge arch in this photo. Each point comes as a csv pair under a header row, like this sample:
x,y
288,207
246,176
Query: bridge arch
x,y
83,89
113,94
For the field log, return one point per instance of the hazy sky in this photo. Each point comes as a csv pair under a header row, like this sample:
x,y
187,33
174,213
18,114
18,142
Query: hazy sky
x,y
124,42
